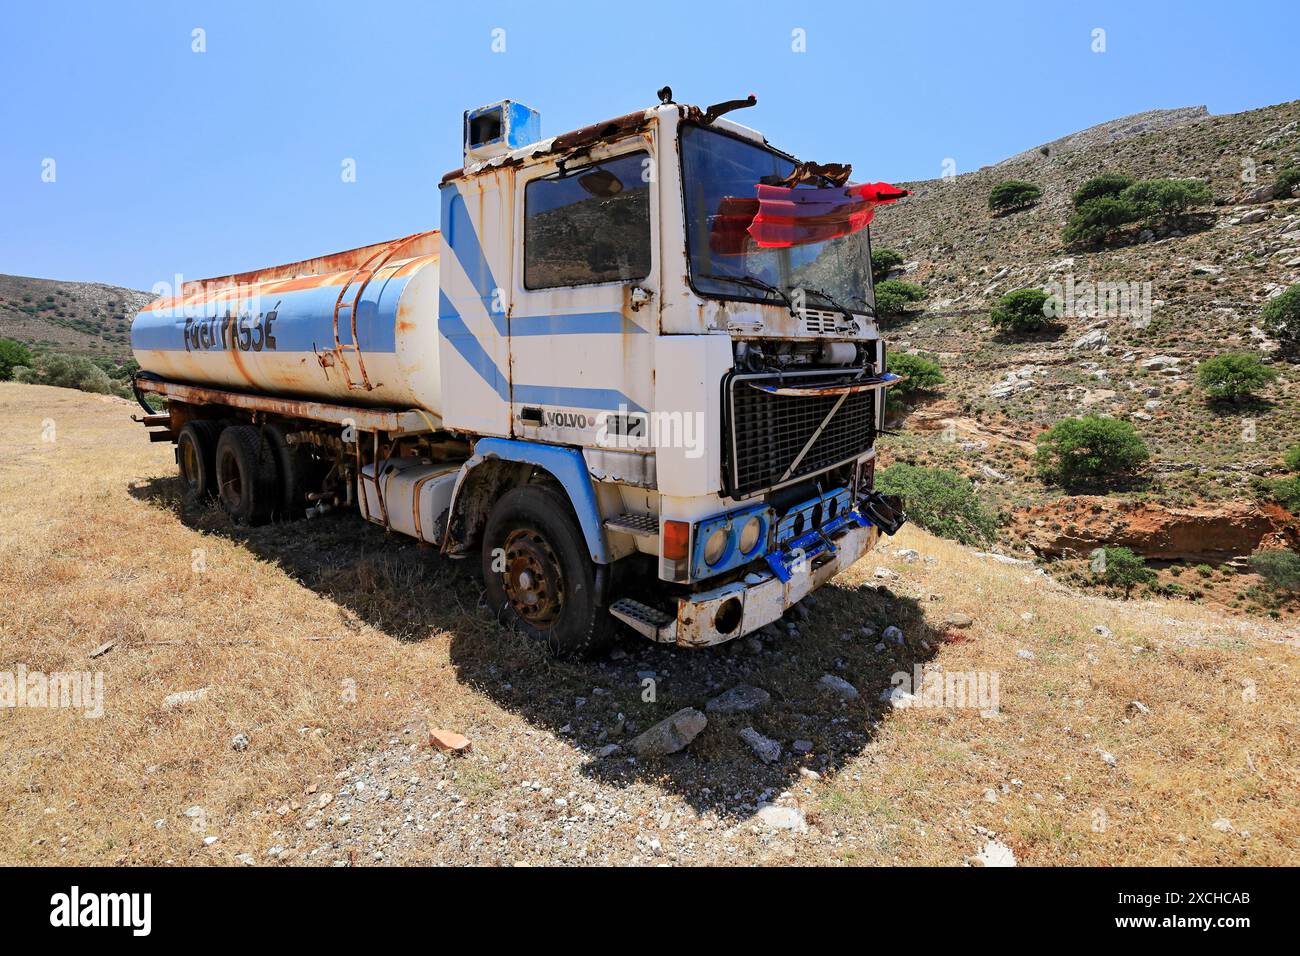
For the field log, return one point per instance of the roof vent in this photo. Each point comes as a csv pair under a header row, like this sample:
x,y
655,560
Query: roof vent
x,y
493,130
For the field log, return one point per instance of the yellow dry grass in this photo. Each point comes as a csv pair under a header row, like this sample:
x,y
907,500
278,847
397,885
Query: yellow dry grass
x,y
91,551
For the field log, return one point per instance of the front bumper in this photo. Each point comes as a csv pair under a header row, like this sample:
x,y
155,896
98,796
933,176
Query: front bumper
x,y
742,607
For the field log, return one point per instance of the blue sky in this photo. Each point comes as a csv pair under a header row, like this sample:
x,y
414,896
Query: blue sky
x,y
168,161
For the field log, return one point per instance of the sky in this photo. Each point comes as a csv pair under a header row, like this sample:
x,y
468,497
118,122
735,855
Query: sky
x,y
127,156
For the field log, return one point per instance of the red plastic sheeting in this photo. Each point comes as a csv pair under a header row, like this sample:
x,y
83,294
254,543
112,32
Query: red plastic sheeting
x,y
781,216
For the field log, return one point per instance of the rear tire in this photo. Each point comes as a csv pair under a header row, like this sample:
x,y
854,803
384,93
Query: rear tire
x,y
539,575
291,472
246,474
196,455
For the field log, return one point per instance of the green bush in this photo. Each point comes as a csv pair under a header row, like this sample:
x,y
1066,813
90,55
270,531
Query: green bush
x,y
69,371
1233,376
1292,458
893,296
1013,194
1107,184
1285,491
1281,569
1280,318
1089,447
12,355
1121,568
940,501
1097,218
1023,310
1165,200
884,260
923,375
1287,180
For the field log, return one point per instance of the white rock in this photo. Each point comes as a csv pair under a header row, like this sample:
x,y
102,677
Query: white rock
x,y
1223,825
1108,758
892,635
908,554
884,574
184,697
670,735
1095,339
994,854
767,749
1026,654
776,817
738,700
838,686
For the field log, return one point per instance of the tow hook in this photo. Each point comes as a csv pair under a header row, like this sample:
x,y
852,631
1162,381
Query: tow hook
x,y
884,511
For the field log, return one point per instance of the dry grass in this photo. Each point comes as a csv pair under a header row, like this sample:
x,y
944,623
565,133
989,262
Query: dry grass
x,y
321,641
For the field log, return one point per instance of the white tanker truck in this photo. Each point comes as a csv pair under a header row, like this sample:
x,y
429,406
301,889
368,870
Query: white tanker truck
x,y
637,371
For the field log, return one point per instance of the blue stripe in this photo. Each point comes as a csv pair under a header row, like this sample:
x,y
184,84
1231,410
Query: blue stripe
x,y
579,323
452,327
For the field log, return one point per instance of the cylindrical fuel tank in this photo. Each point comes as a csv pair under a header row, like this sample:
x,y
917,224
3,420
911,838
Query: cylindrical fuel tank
x,y
268,333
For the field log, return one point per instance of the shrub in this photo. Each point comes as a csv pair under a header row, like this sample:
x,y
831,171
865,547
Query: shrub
x,y
1287,180
1093,446
1281,569
1163,200
1107,184
894,295
923,375
12,355
1098,218
1121,568
1280,318
1023,310
1013,194
940,501
69,371
882,261
1292,458
1233,376
1285,491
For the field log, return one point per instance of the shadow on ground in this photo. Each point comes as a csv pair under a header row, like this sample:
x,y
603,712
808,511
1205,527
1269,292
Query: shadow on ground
x,y
407,591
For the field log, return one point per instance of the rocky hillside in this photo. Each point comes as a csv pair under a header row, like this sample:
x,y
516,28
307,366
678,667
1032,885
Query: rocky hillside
x,y
76,318
1195,293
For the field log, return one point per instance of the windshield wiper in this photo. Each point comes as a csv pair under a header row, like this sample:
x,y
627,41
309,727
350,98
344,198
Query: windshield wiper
x,y
755,283
848,316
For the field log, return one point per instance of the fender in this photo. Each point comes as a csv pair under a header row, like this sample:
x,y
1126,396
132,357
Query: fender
x,y
568,467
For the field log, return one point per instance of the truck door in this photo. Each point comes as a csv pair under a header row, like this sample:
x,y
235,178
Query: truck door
x,y
585,302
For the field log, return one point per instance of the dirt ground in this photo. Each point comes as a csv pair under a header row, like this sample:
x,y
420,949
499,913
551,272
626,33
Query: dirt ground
x,y
321,653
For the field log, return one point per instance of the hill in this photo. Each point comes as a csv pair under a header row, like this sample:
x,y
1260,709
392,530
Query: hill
x,y
1193,293
75,318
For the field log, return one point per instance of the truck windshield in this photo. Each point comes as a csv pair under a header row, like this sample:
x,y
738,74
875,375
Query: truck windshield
x,y
717,167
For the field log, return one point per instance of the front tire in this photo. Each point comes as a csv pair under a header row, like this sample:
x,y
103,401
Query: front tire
x,y
539,575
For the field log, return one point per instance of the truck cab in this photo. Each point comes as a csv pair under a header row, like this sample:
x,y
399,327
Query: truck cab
x,y
600,295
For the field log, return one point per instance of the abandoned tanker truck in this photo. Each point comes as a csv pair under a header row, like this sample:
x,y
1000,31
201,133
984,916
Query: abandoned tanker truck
x,y
636,371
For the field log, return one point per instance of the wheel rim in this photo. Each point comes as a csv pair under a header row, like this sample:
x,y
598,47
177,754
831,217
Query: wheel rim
x,y
232,487
534,584
190,464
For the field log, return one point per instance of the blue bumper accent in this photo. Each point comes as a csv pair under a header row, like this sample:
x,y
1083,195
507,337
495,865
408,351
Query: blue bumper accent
x,y
804,533
569,468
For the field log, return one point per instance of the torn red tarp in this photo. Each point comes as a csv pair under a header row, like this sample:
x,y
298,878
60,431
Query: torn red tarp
x,y
782,216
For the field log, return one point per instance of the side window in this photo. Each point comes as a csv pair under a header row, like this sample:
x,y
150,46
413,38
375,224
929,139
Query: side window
x,y
588,225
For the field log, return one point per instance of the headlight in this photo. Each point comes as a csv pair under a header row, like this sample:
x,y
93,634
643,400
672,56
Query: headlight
x,y
716,546
749,534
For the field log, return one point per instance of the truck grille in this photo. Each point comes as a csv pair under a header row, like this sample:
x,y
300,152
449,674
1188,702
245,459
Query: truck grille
x,y
766,432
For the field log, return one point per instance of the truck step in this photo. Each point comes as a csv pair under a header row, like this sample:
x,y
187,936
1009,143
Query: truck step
x,y
642,526
643,618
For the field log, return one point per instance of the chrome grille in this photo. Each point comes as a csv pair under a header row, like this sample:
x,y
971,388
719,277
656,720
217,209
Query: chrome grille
x,y
767,432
